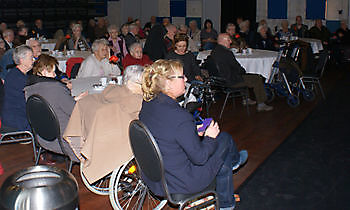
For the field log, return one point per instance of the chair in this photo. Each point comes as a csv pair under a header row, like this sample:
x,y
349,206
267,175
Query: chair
x,y
314,77
73,65
149,161
44,123
220,84
10,135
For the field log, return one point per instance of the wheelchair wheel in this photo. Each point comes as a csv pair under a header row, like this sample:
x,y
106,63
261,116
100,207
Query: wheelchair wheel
x,y
281,90
293,101
270,93
308,95
128,191
100,187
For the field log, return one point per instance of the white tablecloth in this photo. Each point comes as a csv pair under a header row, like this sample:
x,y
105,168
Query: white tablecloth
x,y
63,59
80,85
259,62
316,44
48,44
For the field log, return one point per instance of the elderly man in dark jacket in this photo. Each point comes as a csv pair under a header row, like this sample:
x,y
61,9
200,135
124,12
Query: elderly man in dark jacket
x,y
235,74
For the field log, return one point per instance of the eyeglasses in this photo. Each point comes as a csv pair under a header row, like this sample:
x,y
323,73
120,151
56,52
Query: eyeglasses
x,y
173,77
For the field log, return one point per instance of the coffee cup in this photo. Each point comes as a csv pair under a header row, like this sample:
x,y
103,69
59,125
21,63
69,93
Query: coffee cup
x,y
103,81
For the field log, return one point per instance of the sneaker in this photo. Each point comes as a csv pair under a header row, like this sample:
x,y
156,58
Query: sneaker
x,y
263,107
243,157
249,101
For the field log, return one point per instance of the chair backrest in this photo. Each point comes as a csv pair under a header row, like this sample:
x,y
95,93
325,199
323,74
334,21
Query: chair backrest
x,y
70,63
75,70
147,153
321,63
42,118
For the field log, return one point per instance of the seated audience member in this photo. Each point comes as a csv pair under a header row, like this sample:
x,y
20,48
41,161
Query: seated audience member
x,y
239,20
237,41
43,83
13,113
166,21
90,36
246,34
320,32
3,27
97,64
131,37
343,33
21,37
236,75
194,34
140,34
190,67
113,110
149,25
264,22
193,160
136,57
208,35
183,29
39,31
124,30
8,37
169,36
284,33
6,63
78,41
263,40
19,24
101,29
2,48
36,47
298,28
116,43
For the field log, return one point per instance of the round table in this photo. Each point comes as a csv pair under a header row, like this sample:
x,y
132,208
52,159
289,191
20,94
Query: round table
x,y
316,44
258,62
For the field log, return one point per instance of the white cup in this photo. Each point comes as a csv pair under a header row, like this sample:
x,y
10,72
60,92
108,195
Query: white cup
x,y
244,51
103,81
120,80
249,50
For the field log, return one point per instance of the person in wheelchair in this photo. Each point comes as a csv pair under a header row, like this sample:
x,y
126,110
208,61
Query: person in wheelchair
x,y
193,160
228,68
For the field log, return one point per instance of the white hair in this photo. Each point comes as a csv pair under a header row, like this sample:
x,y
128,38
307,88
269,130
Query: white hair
x,y
20,52
112,27
133,46
77,25
132,73
261,27
98,43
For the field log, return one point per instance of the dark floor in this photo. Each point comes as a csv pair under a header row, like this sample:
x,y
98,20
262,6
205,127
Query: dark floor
x,y
310,170
259,133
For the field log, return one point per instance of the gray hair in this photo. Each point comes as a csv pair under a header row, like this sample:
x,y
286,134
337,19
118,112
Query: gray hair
x,y
133,46
29,42
170,26
98,43
261,27
20,52
77,25
132,73
112,27
183,26
132,26
7,32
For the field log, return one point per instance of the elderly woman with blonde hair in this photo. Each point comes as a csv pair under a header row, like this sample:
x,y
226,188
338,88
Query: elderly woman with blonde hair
x,y
78,41
192,160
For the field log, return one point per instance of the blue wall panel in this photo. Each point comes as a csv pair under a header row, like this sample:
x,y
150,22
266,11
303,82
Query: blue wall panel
x,y
277,9
178,8
315,9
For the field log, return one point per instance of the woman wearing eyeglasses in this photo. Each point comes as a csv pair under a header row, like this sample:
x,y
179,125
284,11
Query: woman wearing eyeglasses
x,y
192,160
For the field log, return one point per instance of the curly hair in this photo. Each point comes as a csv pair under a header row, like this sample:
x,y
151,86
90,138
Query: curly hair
x,y
154,77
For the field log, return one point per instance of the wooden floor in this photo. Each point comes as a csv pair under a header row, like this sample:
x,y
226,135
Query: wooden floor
x,y
259,133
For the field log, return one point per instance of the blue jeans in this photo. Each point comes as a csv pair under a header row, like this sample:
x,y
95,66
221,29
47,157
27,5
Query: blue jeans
x,y
224,182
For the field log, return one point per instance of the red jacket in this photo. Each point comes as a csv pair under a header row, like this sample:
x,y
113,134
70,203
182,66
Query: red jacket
x,y
128,60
